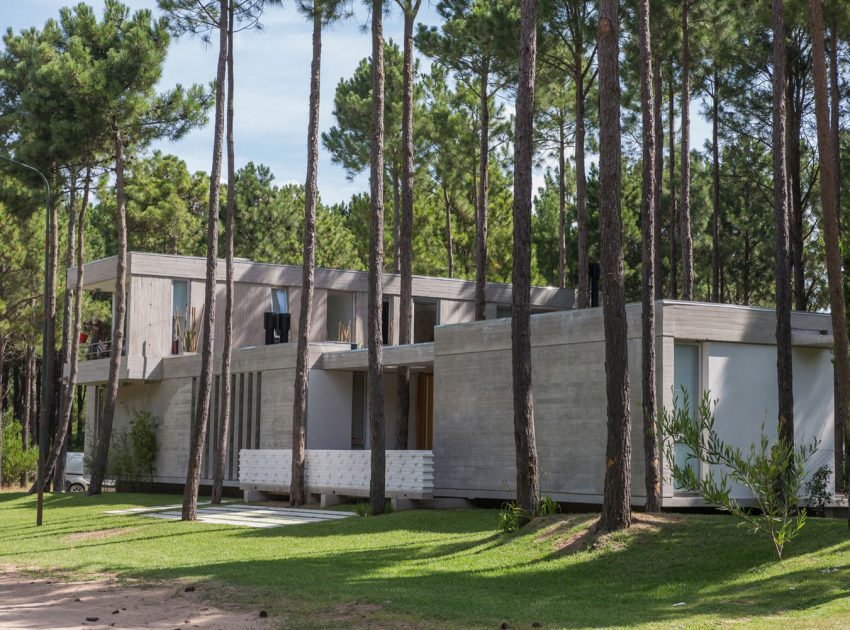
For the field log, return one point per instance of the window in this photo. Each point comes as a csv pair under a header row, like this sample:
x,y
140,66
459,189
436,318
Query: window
x,y
340,316
686,375
425,317
503,311
280,301
179,319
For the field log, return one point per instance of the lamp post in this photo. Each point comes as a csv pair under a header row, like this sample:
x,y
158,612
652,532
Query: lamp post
x,y
42,430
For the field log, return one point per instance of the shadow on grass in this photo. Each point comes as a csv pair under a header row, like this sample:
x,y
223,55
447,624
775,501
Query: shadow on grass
x,y
637,578
452,566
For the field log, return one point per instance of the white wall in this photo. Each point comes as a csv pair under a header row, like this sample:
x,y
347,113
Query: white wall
x,y
742,378
329,410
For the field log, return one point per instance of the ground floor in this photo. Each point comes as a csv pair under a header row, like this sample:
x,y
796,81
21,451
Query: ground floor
x,y
460,433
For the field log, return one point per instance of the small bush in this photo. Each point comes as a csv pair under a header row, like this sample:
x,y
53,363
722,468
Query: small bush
x,y
512,517
817,489
773,473
16,460
132,455
364,508
548,507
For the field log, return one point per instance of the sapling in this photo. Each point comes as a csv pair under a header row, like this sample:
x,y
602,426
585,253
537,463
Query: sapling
x,y
772,472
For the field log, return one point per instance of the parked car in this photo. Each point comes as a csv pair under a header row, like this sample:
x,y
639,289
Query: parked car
x,y
76,479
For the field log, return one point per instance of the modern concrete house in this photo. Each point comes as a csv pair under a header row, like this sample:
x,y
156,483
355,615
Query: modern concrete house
x,y
461,437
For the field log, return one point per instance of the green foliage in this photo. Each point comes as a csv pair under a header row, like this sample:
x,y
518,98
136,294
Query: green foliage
x,y
364,508
16,460
132,455
512,517
165,207
773,473
817,490
548,507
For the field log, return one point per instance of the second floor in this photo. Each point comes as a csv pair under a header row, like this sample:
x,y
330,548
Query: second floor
x,y
165,303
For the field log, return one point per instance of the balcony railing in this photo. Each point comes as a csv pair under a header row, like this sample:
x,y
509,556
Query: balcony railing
x,y
95,349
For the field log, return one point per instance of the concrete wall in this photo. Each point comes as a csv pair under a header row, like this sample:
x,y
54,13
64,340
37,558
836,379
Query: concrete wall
x,y
261,415
474,452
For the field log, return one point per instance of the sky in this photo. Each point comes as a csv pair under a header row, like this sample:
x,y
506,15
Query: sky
x,y
272,86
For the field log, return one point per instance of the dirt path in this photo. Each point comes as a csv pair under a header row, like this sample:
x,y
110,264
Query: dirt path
x,y
28,603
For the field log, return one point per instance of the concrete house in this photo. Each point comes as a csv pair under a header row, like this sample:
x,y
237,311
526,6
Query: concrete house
x,y
460,432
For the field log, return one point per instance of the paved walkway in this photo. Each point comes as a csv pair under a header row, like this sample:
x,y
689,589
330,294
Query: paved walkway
x,y
241,515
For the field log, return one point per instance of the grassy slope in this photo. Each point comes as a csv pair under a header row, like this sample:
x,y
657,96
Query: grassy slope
x,y
441,565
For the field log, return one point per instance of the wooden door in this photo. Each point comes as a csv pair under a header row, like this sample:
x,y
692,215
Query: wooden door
x,y
424,411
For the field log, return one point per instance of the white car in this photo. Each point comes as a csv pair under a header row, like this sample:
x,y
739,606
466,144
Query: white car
x,y
76,479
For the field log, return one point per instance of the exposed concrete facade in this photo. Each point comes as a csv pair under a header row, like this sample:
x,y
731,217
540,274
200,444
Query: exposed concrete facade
x,y
469,420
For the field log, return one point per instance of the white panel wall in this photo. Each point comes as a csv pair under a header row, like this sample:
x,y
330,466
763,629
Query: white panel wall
x,y
329,410
742,378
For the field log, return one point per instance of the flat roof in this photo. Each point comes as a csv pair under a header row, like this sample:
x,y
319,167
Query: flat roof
x,y
100,275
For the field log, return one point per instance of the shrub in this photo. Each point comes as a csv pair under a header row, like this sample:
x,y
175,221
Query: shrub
x,y
16,460
548,506
774,473
817,490
132,455
364,508
512,517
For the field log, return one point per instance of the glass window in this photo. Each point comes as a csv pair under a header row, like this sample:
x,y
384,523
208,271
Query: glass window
x,y
425,317
280,301
179,307
686,376
340,316
503,311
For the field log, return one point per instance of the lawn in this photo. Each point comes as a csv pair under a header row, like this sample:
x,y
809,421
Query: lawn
x,y
443,568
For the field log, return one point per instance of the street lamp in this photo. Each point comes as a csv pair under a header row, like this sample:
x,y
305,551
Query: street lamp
x,y
42,431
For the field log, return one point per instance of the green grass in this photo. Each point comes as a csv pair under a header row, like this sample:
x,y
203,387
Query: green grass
x,y
452,569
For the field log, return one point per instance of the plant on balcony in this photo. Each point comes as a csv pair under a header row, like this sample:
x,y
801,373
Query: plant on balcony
x,y
187,329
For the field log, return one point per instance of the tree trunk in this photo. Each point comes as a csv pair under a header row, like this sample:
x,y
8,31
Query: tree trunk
x,y
616,506
582,221
562,208
57,465
527,476
377,489
671,133
793,167
202,408
3,340
780,206
227,351
687,241
59,449
396,216
48,366
27,403
297,490
829,203
715,189
835,107
481,213
657,99
104,436
650,254
406,246
449,247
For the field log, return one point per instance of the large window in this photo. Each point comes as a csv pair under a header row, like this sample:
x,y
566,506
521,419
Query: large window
x,y
180,320
340,316
686,377
425,317
280,301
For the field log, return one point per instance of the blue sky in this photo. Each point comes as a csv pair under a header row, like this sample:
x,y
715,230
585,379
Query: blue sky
x,y
272,86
